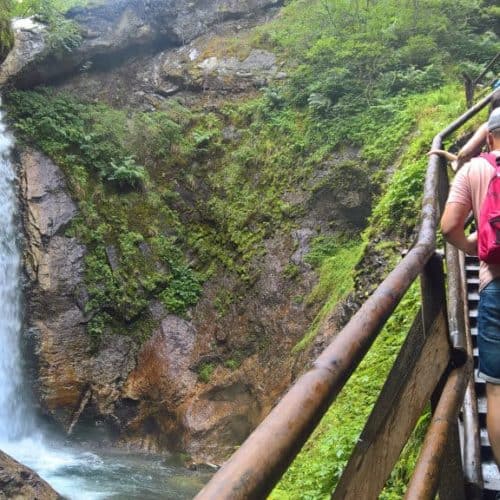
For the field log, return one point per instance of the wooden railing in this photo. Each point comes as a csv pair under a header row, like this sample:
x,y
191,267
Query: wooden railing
x,y
434,365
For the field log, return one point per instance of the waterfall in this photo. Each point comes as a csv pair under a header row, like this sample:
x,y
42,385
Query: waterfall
x,y
16,418
75,472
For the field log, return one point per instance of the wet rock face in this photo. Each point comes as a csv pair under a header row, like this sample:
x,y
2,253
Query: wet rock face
x,y
18,481
69,375
184,69
162,370
29,44
149,396
54,265
116,30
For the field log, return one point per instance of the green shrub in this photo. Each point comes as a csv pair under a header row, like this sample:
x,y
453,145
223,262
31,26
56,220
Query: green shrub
x,y
6,35
231,364
126,173
205,372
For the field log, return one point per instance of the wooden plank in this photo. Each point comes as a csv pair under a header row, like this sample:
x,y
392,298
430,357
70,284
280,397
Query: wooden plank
x,y
451,481
433,291
413,378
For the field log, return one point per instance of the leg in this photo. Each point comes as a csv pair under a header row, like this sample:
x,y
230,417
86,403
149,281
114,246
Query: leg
x,y
493,418
488,322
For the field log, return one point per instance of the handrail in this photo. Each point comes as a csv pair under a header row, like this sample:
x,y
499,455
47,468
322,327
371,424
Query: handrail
x,y
258,464
456,306
425,480
473,474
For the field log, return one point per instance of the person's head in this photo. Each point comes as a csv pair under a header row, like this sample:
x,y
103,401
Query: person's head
x,y
493,138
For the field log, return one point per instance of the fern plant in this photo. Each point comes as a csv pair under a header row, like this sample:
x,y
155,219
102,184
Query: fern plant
x,y
126,172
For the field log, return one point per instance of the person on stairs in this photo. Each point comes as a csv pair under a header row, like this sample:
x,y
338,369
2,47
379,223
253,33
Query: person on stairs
x,y
474,145
472,189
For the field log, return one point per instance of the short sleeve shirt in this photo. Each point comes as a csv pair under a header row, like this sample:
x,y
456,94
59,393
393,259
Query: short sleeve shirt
x,y
469,187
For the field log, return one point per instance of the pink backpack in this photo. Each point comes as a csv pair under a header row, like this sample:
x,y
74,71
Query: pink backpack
x,y
489,216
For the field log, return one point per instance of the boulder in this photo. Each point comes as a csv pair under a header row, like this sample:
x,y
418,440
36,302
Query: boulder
x,y
18,481
29,45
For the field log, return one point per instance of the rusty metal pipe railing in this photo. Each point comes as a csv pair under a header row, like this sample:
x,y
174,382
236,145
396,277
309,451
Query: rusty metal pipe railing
x,y
425,480
261,460
456,304
473,474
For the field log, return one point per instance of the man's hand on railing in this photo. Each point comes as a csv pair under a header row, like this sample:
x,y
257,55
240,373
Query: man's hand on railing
x,y
452,158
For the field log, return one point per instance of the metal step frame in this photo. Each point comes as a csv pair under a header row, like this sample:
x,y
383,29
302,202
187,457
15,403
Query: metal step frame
x,y
491,474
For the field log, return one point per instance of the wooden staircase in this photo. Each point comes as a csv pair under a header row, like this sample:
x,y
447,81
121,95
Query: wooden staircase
x,y
491,475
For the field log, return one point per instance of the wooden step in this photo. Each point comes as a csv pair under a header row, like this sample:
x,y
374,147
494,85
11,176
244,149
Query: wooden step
x,y
472,268
473,296
472,280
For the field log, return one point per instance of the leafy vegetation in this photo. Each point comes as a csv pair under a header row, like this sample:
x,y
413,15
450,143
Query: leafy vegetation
x,y
319,465
63,34
134,239
26,8
368,76
6,37
335,260
205,372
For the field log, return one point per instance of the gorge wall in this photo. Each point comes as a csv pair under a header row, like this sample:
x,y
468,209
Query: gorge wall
x,y
201,380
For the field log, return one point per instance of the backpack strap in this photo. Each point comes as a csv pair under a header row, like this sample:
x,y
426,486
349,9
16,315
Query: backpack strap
x,y
493,160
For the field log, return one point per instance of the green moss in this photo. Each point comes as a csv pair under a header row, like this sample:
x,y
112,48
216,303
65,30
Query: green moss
x,y
398,209
6,35
205,372
292,271
335,259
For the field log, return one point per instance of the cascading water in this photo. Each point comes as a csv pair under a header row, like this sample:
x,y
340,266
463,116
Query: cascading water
x,y
72,471
16,421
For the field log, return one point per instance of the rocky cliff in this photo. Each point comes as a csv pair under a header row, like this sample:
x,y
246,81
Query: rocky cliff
x,y
111,32
202,381
150,395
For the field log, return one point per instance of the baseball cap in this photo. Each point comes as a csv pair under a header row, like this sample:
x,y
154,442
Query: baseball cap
x,y
494,120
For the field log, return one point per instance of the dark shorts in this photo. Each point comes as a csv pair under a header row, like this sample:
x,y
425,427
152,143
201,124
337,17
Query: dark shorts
x,y
488,323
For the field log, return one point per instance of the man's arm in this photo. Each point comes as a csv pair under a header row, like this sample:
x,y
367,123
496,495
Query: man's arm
x,y
452,227
473,146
